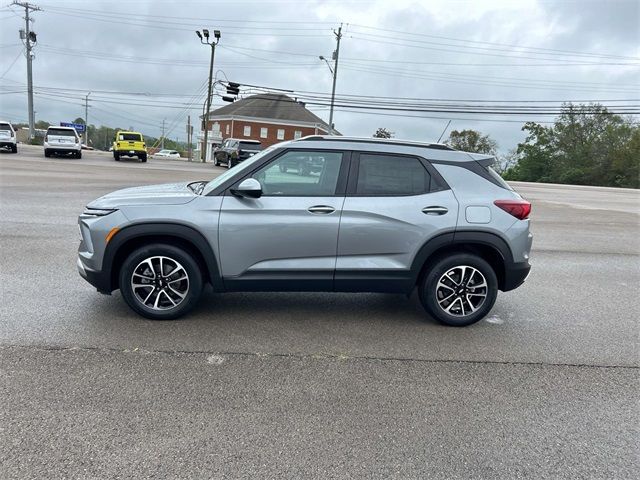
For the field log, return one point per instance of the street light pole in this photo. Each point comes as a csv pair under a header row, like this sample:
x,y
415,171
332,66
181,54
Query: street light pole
x,y
205,41
336,54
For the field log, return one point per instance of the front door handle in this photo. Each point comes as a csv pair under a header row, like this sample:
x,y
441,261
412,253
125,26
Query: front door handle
x,y
435,210
321,209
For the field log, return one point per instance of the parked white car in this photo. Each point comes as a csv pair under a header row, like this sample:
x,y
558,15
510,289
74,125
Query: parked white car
x,y
167,154
62,141
8,137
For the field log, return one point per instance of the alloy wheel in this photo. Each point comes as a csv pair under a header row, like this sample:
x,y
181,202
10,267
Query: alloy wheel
x,y
461,290
160,283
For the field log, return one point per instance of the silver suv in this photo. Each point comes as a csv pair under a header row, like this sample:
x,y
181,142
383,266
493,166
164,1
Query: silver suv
x,y
374,216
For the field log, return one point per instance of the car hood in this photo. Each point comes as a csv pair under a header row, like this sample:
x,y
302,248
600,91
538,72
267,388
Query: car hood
x,y
165,194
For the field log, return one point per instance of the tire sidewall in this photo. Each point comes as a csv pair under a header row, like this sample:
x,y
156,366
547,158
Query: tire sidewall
x,y
189,264
432,276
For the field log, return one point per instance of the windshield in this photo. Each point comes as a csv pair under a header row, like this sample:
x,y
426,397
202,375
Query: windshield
x,y
5,126
246,165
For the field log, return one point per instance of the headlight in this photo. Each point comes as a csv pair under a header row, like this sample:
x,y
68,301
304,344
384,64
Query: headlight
x,y
97,212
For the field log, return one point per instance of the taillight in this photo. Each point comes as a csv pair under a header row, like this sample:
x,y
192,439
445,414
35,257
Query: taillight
x,y
46,138
518,208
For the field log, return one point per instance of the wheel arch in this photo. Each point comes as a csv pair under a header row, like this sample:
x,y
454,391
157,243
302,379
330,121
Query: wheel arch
x,y
488,246
182,236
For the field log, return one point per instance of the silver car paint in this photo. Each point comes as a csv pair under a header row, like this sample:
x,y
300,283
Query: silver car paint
x,y
278,234
273,234
386,232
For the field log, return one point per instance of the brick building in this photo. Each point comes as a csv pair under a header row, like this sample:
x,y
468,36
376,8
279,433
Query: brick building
x,y
269,118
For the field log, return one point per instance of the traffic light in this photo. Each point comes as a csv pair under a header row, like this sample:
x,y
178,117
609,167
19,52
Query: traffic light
x,y
228,99
233,88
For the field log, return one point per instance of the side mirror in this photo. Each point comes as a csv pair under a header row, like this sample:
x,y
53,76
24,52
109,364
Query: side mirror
x,y
248,188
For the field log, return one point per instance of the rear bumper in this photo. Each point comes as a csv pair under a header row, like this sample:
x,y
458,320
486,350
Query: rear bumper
x,y
130,153
515,275
7,144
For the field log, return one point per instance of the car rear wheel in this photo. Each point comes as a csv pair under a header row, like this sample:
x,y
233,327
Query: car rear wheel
x,y
47,153
143,158
116,156
14,149
160,282
79,154
459,290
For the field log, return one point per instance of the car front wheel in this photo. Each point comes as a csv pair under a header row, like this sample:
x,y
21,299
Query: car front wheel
x,y
459,290
160,282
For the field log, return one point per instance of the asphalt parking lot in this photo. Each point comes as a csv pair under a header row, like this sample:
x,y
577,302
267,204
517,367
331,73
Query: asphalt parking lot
x,y
314,385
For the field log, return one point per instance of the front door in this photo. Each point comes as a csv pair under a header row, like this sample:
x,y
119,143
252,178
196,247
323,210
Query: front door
x,y
286,239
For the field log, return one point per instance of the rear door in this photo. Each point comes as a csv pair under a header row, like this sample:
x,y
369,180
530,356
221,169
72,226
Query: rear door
x,y
394,205
287,238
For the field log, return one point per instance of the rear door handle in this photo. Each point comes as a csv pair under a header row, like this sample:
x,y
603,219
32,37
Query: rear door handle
x,y
435,210
321,209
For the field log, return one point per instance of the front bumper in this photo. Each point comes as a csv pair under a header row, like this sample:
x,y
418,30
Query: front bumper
x,y
95,278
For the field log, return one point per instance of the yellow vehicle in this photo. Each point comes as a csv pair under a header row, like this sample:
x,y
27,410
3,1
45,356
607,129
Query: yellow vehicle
x,y
129,144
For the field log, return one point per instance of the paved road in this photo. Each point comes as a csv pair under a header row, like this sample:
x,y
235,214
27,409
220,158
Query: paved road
x,y
315,384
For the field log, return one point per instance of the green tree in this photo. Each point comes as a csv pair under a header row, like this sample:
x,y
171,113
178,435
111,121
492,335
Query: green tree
x,y
586,145
472,141
382,133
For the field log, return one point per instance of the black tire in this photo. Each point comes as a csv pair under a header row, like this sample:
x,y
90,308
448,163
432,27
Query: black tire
x,y
79,154
116,156
143,158
47,153
177,255
230,163
14,149
453,263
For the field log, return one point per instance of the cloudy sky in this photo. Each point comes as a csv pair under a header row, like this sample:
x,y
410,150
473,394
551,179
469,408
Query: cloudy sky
x,y
144,64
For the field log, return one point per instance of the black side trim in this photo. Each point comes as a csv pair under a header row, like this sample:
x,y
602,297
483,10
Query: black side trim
x,y
379,281
151,230
282,281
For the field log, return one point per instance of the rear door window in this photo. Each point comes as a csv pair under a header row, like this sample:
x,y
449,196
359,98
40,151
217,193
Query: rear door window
x,y
391,175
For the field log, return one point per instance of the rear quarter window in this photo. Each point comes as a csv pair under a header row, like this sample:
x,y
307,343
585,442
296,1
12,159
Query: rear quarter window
x,y
497,178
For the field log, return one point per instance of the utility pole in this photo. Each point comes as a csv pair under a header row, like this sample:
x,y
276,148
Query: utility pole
x,y
336,55
189,133
216,34
29,37
162,138
86,119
